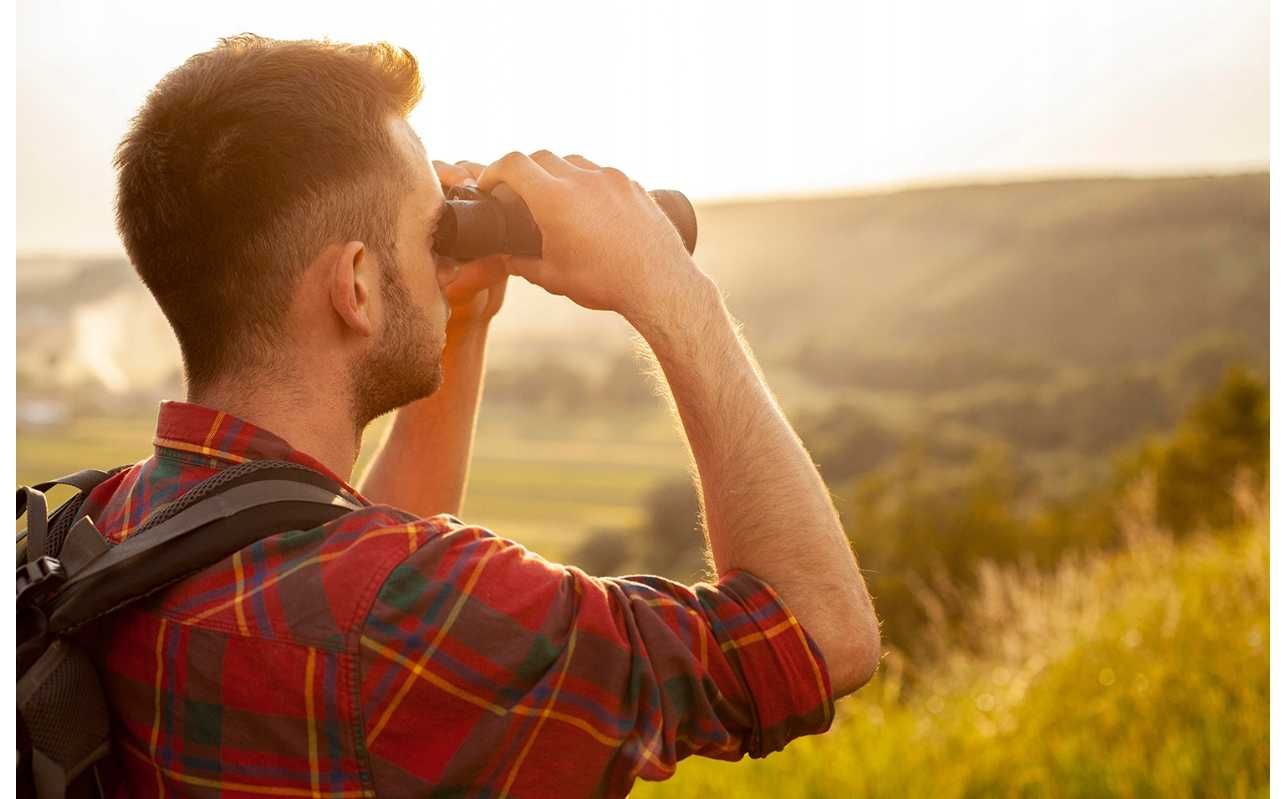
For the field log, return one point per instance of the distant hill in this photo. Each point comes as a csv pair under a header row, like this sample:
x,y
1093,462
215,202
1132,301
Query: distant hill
x,y
1091,272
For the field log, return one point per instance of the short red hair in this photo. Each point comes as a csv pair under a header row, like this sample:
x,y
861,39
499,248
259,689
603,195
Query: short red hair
x,y
241,166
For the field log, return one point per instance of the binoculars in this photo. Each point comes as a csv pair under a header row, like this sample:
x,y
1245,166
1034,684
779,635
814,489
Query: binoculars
x,y
477,223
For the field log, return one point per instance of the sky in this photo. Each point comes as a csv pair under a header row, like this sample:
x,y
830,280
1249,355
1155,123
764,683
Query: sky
x,y
718,100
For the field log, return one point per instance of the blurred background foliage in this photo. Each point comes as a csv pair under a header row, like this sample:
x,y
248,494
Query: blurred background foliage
x,y
1142,672
1041,409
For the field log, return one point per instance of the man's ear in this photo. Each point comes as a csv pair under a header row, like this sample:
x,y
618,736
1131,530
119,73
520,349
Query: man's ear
x,y
351,287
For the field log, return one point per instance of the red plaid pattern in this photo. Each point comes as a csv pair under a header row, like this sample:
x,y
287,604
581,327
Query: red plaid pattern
x,y
385,654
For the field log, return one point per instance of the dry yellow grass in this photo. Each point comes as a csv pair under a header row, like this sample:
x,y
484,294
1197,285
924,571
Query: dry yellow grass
x,y
1135,674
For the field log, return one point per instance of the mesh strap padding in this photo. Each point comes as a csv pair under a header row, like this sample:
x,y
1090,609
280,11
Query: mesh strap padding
x,y
213,484
63,708
65,516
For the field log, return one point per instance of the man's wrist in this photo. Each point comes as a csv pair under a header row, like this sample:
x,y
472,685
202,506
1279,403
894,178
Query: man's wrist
x,y
674,325
468,329
465,344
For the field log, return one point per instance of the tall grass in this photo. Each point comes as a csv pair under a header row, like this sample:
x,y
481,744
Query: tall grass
x,y
1135,674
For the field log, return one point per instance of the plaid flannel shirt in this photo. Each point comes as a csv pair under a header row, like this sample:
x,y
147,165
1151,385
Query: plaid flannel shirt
x,y
390,655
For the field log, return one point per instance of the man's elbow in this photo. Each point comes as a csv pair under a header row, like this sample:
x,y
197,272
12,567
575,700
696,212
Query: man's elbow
x,y
854,661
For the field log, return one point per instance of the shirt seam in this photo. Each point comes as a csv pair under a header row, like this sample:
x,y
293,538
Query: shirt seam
x,y
192,459
378,579
230,629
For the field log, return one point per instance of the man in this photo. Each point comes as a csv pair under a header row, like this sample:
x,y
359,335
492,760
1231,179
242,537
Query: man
x,y
281,210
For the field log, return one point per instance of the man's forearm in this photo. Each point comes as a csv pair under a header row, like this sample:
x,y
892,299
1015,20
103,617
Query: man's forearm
x,y
766,509
421,464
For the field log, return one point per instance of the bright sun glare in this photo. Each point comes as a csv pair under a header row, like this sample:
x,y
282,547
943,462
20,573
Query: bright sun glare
x,y
716,100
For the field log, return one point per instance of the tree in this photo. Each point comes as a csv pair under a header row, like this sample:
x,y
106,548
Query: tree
x,y
1221,444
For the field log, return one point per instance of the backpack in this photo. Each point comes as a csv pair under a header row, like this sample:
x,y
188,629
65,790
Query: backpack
x,y
70,577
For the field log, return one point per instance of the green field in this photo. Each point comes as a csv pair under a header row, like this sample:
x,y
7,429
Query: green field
x,y
545,482
99,442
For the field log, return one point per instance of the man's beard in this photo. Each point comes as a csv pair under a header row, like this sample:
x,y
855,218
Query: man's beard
x,y
405,365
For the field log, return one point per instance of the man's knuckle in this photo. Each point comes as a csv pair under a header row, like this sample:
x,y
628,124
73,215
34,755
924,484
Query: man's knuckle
x,y
615,175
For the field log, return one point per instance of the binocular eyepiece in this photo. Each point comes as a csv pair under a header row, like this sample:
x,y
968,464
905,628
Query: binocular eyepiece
x,y
477,223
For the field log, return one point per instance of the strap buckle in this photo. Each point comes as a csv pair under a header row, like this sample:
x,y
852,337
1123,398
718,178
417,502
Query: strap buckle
x,y
36,578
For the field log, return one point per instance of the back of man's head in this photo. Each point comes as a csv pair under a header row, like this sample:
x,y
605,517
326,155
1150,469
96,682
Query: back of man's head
x,y
241,166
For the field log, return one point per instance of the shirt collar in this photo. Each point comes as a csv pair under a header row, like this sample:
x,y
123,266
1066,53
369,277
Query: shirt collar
x,y
193,429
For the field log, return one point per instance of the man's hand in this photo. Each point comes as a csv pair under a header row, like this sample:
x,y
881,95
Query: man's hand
x,y
476,295
606,244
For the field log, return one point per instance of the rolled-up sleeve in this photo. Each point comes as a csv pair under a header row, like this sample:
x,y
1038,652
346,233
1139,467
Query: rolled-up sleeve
x,y
485,665
733,672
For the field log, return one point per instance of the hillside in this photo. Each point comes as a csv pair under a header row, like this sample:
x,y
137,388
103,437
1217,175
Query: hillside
x,y
1094,273
1087,272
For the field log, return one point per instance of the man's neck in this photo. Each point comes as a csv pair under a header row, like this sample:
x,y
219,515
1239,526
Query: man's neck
x,y
318,425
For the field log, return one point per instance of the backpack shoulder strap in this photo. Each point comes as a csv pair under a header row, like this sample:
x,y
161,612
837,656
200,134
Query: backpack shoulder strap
x,y
83,481
64,727
45,531
270,498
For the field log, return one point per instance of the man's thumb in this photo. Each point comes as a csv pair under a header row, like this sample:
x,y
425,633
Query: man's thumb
x,y
479,274
532,269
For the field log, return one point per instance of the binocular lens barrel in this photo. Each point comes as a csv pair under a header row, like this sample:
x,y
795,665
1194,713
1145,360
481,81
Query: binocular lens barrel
x,y
476,224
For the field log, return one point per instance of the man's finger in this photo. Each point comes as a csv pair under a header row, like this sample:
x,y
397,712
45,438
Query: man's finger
x,y
519,171
532,269
581,162
553,163
452,175
479,274
473,168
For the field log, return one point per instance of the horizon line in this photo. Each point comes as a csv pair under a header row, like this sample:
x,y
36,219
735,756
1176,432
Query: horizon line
x,y
937,182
